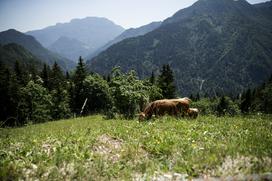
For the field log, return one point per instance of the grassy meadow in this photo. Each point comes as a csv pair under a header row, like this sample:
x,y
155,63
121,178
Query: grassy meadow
x,y
92,148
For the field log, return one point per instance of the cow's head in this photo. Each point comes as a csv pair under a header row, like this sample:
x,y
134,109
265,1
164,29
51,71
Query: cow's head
x,y
142,116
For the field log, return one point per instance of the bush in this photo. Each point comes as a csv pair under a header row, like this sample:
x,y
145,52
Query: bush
x,y
60,106
97,90
35,103
129,93
216,106
206,106
226,106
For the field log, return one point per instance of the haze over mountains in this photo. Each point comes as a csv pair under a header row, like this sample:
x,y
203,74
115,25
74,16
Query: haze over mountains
x,y
101,31
83,36
129,33
35,48
213,46
224,45
70,48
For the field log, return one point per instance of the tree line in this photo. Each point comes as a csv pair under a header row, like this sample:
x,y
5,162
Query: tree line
x,y
30,96
251,101
33,96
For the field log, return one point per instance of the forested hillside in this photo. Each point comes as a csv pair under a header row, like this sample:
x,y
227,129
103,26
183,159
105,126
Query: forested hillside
x,y
70,48
10,53
33,46
214,46
129,33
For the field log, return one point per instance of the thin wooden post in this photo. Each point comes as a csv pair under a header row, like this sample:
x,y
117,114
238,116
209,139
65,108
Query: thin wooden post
x,y
83,106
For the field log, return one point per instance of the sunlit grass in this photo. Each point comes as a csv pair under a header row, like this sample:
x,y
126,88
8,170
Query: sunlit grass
x,y
76,148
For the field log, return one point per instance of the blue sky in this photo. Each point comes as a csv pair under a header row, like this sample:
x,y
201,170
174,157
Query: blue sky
x,y
25,15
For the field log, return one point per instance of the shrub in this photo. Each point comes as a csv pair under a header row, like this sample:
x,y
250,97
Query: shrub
x,y
97,90
35,103
226,106
129,93
216,106
206,105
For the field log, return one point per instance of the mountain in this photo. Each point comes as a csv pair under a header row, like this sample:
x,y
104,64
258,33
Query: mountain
x,y
213,46
30,43
69,48
9,53
132,32
92,31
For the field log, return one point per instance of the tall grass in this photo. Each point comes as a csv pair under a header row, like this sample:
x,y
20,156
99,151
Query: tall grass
x,y
96,149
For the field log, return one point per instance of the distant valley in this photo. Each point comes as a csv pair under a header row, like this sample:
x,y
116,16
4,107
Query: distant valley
x,y
79,37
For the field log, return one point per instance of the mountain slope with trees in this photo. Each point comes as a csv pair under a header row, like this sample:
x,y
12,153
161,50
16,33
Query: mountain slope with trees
x,y
129,33
214,46
33,46
265,8
10,53
69,48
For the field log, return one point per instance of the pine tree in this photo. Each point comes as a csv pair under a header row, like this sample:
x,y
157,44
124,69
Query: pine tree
x,y
270,79
21,75
67,76
17,79
152,78
246,102
81,72
197,96
78,91
4,92
10,84
15,96
60,104
59,91
45,75
56,77
192,97
108,78
166,82
222,106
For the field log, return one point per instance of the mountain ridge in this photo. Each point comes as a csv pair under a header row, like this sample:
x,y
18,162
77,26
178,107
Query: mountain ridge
x,y
69,47
226,47
129,33
92,31
33,46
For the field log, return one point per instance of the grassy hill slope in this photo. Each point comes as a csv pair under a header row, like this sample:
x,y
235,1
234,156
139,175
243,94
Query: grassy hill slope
x,y
96,149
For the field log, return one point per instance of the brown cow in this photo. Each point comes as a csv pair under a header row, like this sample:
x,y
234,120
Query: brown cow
x,y
171,107
162,107
147,113
184,102
193,113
